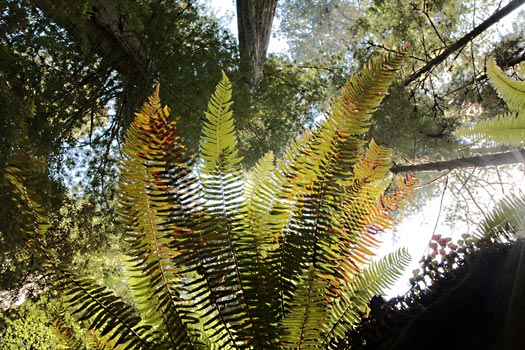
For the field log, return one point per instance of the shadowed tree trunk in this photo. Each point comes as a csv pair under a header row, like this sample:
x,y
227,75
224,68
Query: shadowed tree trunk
x,y
254,21
103,30
477,304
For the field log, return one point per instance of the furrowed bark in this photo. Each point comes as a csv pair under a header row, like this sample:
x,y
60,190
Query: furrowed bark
x,y
254,22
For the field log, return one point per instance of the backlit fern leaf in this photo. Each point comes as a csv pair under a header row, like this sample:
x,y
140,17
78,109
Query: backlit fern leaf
x,y
22,175
508,128
510,90
352,303
328,228
506,221
275,260
104,310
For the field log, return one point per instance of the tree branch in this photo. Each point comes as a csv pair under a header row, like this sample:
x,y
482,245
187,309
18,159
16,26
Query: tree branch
x,y
510,157
498,15
106,33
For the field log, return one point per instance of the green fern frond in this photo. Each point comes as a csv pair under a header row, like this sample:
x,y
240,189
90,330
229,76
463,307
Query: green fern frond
x,y
23,174
238,283
375,165
507,129
218,145
105,311
306,319
510,90
353,302
326,211
259,194
337,146
156,185
506,221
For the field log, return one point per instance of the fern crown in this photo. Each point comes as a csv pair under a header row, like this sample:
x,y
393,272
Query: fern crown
x,y
276,258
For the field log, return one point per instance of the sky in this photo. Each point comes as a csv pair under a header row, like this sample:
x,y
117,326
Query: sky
x,y
439,214
227,9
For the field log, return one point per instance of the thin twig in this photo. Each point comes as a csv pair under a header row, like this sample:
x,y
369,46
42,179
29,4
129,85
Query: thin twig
x,y
440,205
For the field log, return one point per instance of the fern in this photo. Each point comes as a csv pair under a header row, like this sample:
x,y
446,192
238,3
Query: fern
x,y
105,311
372,281
510,90
506,221
23,174
508,128
280,258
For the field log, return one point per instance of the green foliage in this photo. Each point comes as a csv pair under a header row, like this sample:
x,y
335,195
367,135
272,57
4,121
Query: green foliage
x,y
45,94
28,327
288,98
23,219
278,259
507,128
424,134
310,25
39,211
512,91
506,221
44,323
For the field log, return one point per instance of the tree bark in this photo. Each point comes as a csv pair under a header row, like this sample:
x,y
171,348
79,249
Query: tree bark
x,y
498,15
254,22
106,32
495,159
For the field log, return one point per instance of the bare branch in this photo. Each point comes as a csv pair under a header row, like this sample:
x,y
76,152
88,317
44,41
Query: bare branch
x,y
510,157
498,15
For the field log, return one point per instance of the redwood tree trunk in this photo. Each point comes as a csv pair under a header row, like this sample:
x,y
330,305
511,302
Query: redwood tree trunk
x,y
254,22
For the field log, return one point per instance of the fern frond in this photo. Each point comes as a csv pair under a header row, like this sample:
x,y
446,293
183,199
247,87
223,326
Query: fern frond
x,y
115,320
507,129
23,174
375,165
506,221
230,264
510,90
354,298
218,145
327,200
306,320
260,192
158,191
314,183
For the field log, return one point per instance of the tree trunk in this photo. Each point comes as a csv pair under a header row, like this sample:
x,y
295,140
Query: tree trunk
x,y
511,6
254,22
503,158
105,32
